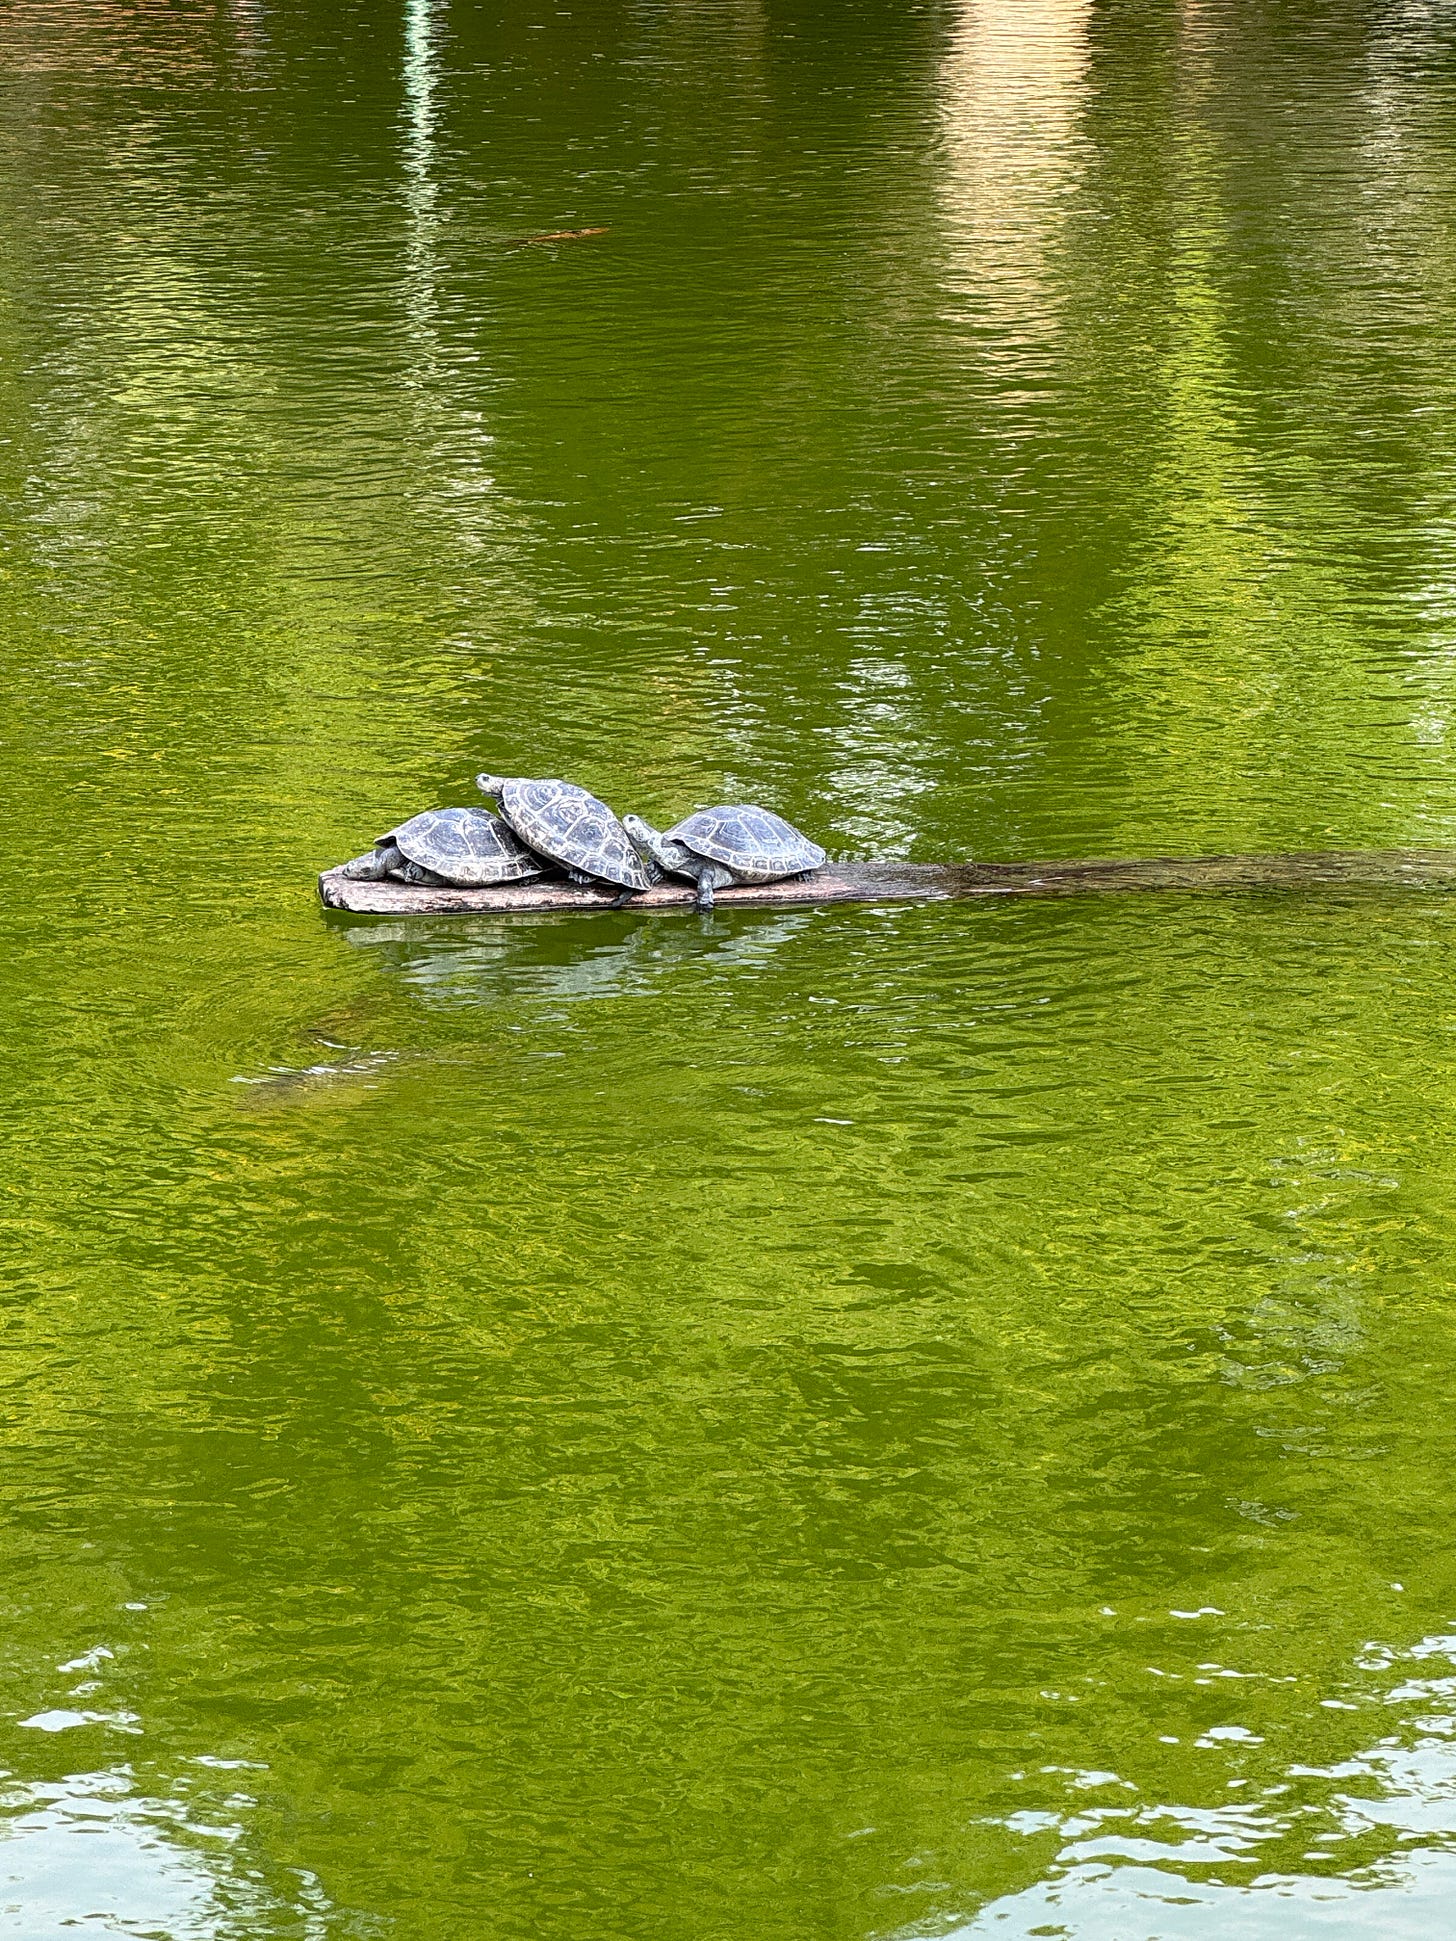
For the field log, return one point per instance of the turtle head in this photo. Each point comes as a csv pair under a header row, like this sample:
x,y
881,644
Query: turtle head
x,y
490,784
646,840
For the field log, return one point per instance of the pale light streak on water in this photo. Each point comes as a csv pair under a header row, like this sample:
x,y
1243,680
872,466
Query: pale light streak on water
x,y
1013,88
421,191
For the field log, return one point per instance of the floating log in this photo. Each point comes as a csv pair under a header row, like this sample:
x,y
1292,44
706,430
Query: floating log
x,y
928,883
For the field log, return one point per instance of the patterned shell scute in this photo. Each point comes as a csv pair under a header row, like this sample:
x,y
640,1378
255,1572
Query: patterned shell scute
x,y
468,847
569,824
753,843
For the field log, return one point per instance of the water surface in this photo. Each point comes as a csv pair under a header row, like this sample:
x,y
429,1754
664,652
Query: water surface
x,y
848,1423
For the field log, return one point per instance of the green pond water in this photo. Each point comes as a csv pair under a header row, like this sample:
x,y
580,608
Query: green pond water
x,y
839,1424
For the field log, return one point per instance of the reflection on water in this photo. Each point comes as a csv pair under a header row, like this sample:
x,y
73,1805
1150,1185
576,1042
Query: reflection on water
x,y
1156,1869
464,962
1260,629
421,190
850,1422
137,1865
1013,89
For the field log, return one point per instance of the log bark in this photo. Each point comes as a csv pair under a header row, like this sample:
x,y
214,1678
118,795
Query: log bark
x,y
930,882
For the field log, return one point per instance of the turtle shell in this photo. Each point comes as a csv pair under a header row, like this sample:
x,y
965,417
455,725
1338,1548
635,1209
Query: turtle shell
x,y
467,847
569,824
757,845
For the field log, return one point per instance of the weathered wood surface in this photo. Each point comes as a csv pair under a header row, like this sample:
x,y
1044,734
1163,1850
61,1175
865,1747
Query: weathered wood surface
x,y
930,882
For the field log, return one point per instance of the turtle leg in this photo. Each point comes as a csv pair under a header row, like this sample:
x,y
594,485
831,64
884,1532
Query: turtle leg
x,y
710,877
621,902
417,874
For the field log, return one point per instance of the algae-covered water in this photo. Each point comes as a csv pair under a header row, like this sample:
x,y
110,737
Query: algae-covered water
x,y
840,1424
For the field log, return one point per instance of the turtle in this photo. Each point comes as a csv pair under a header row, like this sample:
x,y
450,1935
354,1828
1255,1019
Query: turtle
x,y
729,844
463,848
567,823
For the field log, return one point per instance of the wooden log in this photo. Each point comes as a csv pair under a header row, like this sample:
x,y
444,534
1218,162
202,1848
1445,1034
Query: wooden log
x,y
929,882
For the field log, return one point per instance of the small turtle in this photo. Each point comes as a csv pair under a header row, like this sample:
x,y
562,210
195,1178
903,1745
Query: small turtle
x,y
716,847
463,848
555,236
566,823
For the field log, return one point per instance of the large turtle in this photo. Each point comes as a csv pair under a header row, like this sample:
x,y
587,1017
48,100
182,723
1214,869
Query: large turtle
x,y
716,847
465,848
567,823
